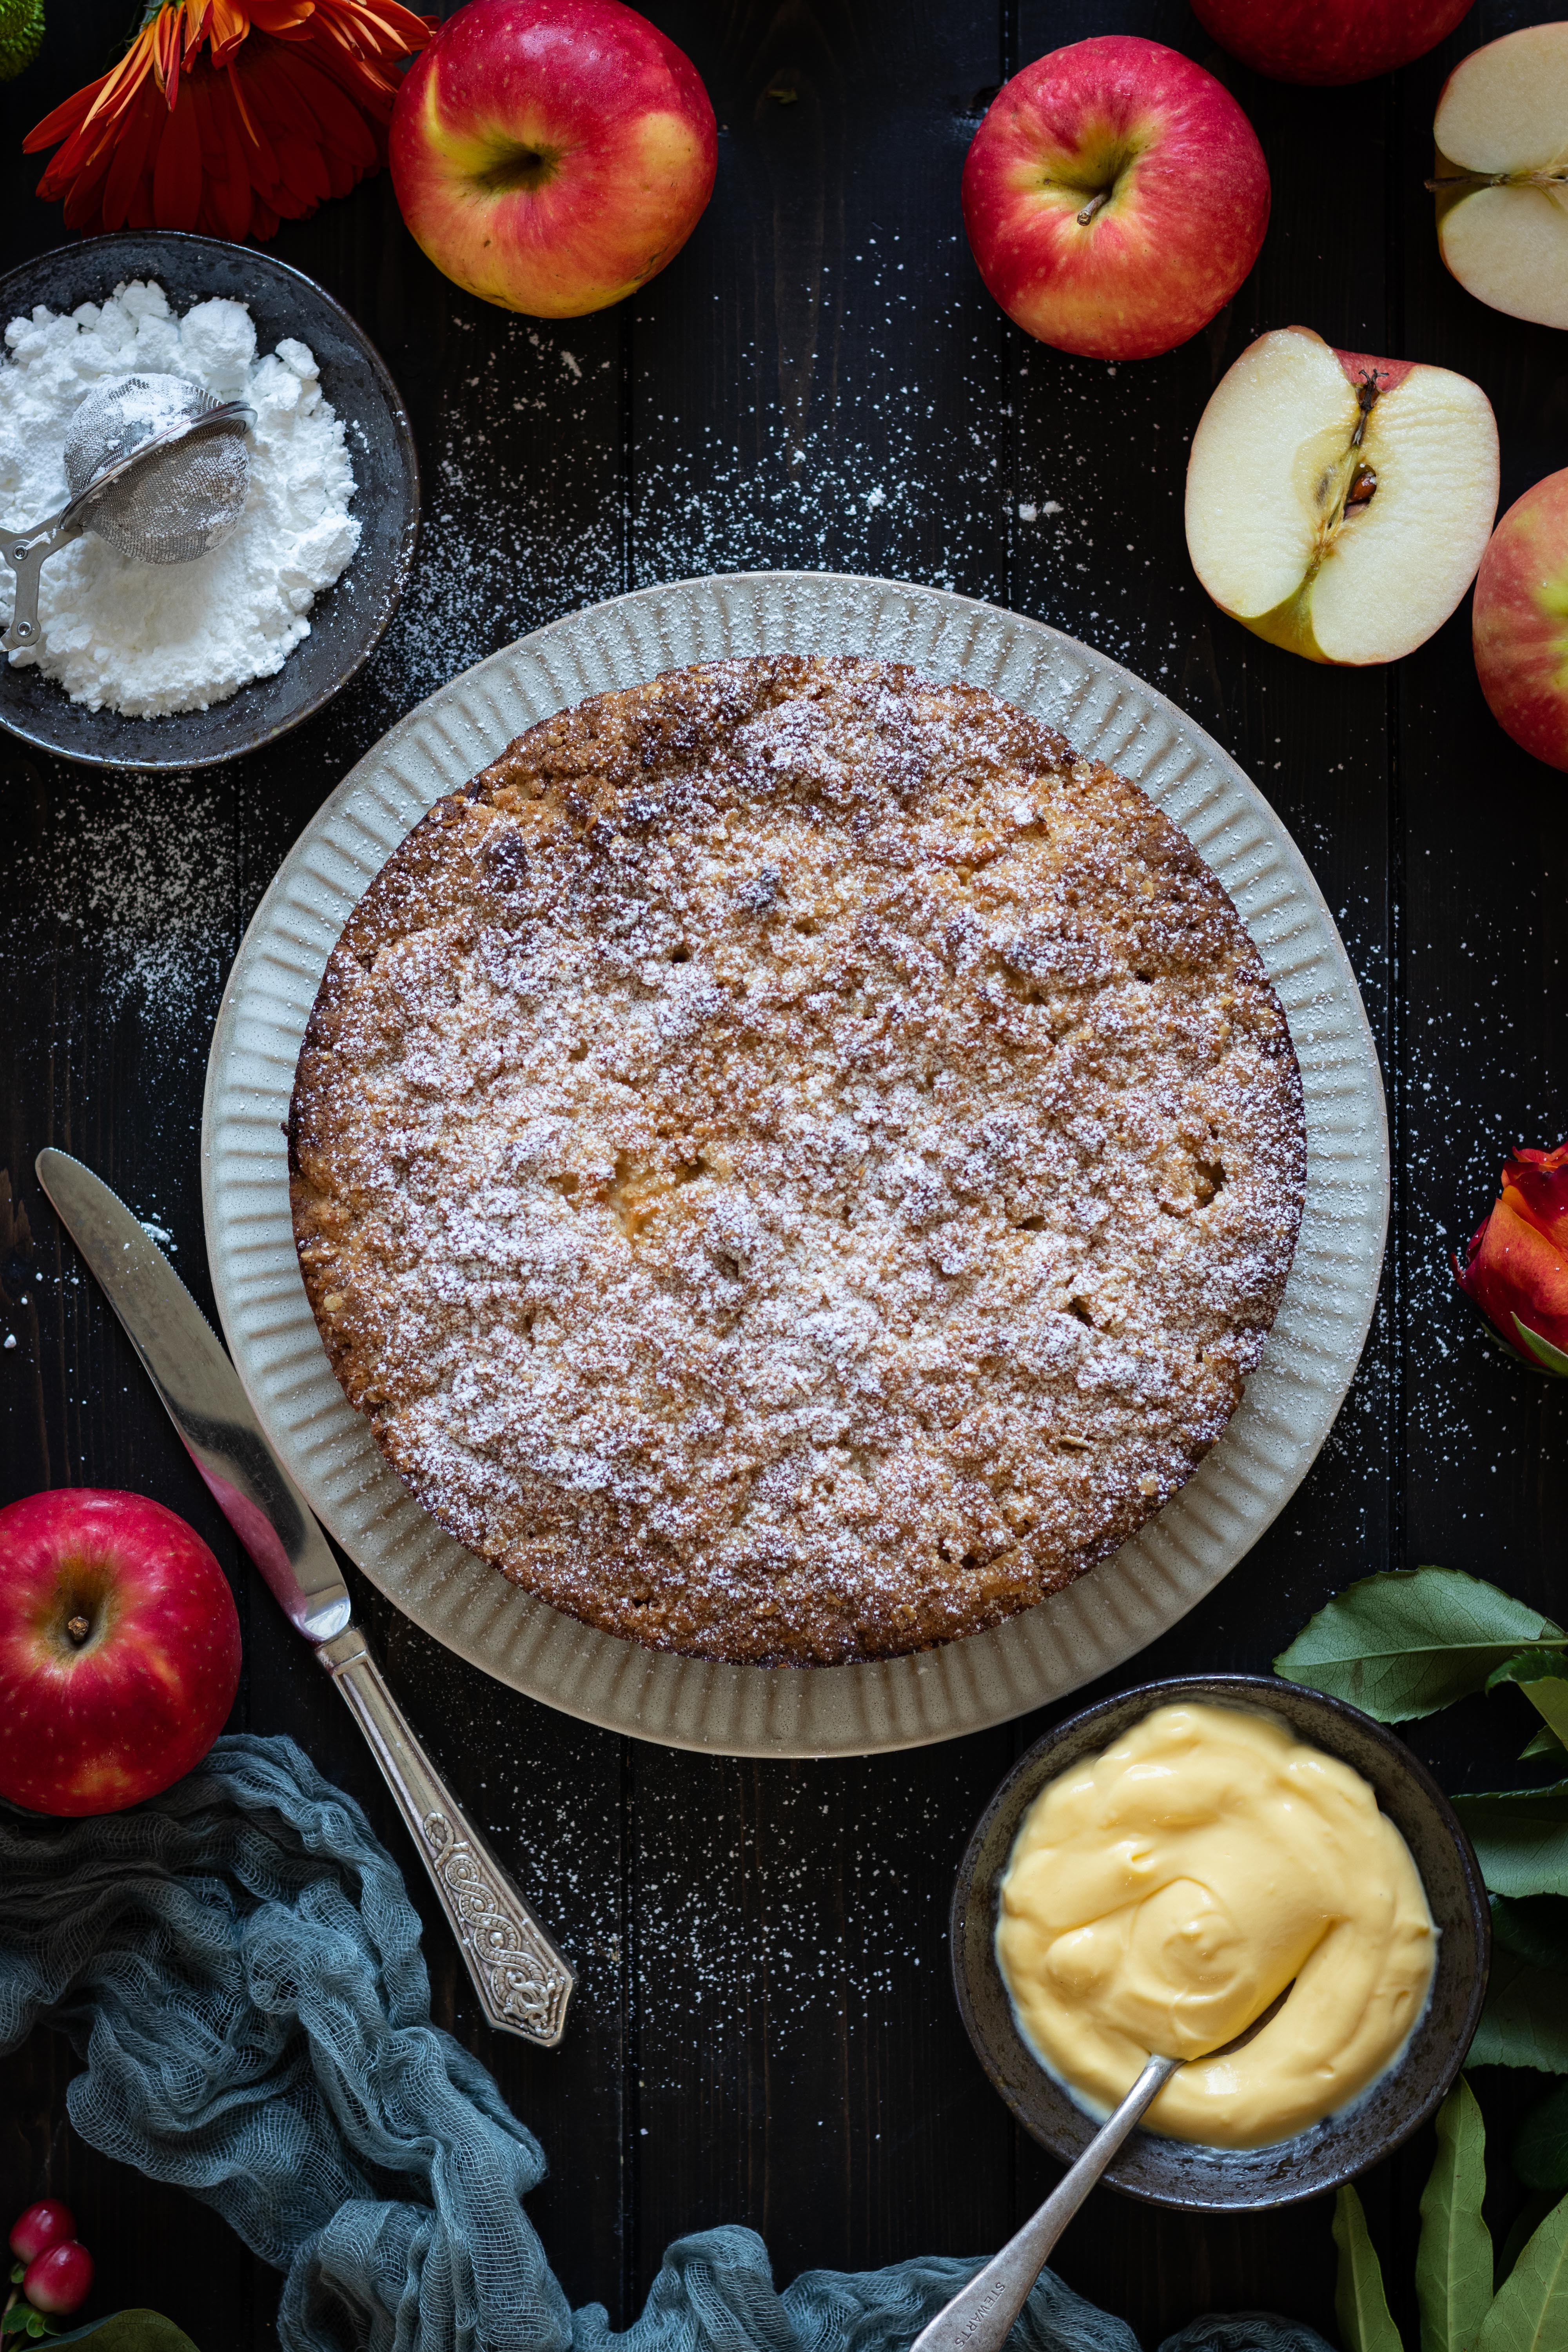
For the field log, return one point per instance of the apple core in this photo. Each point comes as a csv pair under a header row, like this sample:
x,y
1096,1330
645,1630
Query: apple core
x,y
519,167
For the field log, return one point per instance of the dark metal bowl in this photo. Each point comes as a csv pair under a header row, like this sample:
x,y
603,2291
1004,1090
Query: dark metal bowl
x,y
1176,2172
349,621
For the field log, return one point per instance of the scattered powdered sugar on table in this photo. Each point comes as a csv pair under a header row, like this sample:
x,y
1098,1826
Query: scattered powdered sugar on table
x,y
149,639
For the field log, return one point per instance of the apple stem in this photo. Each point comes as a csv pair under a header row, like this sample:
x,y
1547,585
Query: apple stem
x,y
78,1627
1366,393
1092,206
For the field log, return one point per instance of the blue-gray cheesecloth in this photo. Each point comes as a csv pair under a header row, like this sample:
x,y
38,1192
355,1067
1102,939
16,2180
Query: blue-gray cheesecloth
x,y
238,1964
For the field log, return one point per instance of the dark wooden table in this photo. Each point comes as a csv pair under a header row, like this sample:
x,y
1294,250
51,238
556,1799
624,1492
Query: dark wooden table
x,y
766,2031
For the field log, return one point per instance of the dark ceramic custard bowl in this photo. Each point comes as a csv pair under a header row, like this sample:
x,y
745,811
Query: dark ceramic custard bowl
x,y
1179,2172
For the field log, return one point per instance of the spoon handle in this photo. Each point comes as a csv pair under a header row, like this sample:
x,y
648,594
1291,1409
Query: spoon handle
x,y
980,2313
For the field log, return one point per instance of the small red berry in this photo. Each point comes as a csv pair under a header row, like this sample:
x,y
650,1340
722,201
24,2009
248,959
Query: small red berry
x,y
60,2279
48,2223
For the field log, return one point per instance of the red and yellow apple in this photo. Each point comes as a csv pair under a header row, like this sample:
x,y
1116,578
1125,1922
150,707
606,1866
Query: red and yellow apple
x,y
1328,41
1115,197
1521,621
551,155
119,1649
1339,504
1501,135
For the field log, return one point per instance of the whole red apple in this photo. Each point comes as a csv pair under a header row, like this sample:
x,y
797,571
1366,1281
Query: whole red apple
x,y
551,155
1521,621
119,1649
1115,197
1328,41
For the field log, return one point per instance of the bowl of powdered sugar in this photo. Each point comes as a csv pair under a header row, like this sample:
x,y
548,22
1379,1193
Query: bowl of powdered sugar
x,y
182,665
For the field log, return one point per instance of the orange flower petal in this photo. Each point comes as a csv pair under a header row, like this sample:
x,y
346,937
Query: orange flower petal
x,y
177,171
339,121
65,122
231,114
133,149
1539,1181
279,17
1515,1270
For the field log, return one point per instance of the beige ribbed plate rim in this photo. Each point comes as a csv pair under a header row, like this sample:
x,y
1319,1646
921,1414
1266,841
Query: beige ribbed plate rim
x,y
1098,1623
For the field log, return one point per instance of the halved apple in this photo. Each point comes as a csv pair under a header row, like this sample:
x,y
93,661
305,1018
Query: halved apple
x,y
1339,504
1501,179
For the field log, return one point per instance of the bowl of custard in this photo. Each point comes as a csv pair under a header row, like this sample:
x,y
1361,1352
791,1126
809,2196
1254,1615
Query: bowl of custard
x,y
1246,1875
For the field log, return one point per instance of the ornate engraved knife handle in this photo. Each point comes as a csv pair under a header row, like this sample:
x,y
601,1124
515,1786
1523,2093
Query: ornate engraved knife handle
x,y
522,1982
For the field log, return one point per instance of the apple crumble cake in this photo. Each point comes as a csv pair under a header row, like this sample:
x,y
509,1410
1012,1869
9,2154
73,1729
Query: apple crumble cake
x,y
794,1163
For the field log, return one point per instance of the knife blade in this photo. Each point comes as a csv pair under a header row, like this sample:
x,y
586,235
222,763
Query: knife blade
x,y
522,1981
204,1398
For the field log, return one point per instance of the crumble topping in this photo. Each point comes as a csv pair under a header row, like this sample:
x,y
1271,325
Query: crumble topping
x,y
795,1163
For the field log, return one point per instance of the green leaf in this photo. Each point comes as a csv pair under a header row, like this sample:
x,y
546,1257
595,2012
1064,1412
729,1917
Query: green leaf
x,y
1540,2144
1408,1641
1525,2021
1550,1700
1526,2222
1361,2305
1520,1837
1453,2259
1525,1665
1546,1743
1542,1675
1542,1351
1530,2312
130,2331
1535,1928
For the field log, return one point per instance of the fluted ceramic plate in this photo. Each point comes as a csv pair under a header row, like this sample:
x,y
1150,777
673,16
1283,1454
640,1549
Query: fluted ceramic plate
x,y
1108,1614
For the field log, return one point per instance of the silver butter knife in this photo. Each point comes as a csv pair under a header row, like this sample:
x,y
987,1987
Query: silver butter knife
x,y
522,1982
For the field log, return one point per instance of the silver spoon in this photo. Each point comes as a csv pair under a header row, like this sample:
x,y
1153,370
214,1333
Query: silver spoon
x,y
156,467
980,2317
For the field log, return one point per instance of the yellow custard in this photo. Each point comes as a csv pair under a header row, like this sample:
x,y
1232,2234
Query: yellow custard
x,y
1160,1895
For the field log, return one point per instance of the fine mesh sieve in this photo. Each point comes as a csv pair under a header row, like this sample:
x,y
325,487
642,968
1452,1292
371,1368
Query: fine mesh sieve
x,y
183,497
156,468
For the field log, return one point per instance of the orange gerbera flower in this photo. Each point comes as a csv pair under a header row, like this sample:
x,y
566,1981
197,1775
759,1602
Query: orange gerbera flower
x,y
229,115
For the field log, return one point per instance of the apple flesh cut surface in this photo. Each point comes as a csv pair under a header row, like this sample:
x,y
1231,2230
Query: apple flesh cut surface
x,y
1501,174
1521,622
119,1649
551,155
1329,42
1339,504
1115,196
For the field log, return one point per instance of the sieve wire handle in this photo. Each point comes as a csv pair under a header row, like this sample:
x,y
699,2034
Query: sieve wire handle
x,y
26,552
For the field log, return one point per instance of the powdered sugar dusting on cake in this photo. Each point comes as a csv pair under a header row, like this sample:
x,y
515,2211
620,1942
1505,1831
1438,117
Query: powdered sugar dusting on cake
x,y
795,1164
